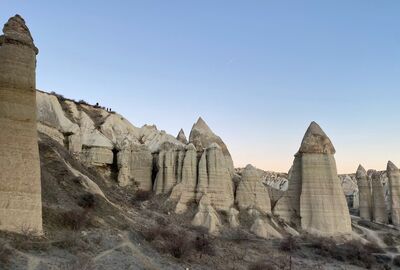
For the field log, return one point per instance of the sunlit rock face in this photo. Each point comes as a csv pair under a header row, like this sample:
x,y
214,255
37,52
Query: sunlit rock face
x,y
394,192
20,188
214,178
314,185
379,210
365,196
251,192
202,137
182,137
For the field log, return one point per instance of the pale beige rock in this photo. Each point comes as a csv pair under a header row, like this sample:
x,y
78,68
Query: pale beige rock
x,y
166,177
251,192
379,210
202,137
263,229
20,187
215,179
90,136
233,219
365,196
394,191
185,191
182,137
97,156
206,216
314,185
135,166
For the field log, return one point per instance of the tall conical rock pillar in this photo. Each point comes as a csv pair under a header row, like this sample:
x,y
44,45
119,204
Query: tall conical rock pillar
x,y
182,137
322,205
20,188
365,196
394,190
379,210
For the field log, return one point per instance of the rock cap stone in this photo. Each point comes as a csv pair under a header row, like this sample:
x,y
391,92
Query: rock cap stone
x,y
182,137
315,141
16,32
361,172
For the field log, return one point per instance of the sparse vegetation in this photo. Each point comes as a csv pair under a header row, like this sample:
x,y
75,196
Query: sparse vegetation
x,y
5,253
75,219
141,196
289,244
396,261
87,201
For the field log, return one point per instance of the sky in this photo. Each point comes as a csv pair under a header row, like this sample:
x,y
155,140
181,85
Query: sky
x,y
258,72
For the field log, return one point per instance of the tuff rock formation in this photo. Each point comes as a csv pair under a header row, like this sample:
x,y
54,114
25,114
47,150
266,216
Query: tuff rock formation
x,y
263,229
394,192
365,197
20,187
135,166
379,211
214,178
202,137
206,216
251,192
185,191
314,185
182,137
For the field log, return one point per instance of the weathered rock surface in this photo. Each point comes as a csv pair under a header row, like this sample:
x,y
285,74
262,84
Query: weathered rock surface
x,y
379,210
314,185
202,137
263,229
206,216
365,196
185,191
251,192
394,191
135,164
214,178
182,137
20,186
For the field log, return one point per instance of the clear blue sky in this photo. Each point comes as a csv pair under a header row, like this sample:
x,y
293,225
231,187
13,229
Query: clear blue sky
x,y
258,72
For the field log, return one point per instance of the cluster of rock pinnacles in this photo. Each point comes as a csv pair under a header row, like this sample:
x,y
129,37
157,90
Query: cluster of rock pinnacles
x,y
196,170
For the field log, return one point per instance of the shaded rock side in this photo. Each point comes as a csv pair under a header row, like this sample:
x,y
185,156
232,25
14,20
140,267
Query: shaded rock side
x,y
214,178
206,216
135,166
379,211
182,137
185,191
394,192
365,196
202,137
20,186
251,192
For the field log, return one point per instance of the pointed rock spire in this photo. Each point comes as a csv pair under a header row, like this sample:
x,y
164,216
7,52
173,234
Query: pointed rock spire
x,y
394,192
16,32
364,193
316,141
182,137
391,167
361,172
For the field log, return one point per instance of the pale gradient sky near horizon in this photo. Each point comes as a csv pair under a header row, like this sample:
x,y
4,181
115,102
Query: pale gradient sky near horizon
x,y
258,72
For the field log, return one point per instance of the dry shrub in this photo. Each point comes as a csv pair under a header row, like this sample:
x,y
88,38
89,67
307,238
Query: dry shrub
x,y
275,263
75,219
87,201
203,245
141,196
5,254
396,261
353,252
289,244
236,235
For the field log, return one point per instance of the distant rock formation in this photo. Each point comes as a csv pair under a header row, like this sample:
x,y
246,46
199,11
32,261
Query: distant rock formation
x,y
182,137
379,211
202,137
394,192
20,186
251,192
314,186
365,196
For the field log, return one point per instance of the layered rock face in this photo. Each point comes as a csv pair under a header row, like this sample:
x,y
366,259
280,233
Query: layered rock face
x,y
215,179
394,192
379,211
202,137
20,188
316,200
251,192
365,196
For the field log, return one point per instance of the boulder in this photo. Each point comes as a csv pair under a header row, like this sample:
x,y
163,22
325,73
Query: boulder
x,y
251,192
379,211
206,216
20,183
202,137
365,196
394,191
